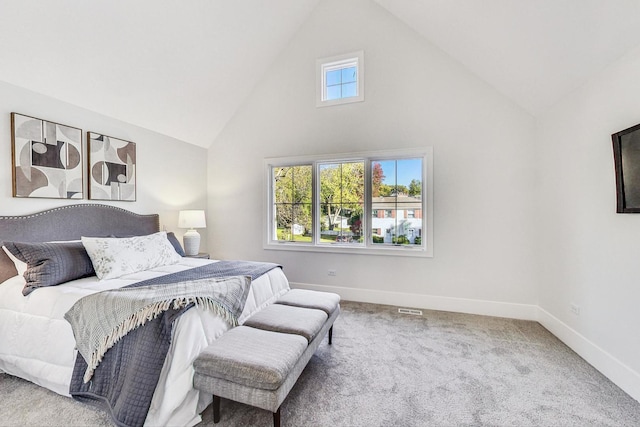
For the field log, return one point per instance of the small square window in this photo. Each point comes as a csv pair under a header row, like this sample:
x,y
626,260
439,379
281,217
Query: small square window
x,y
340,79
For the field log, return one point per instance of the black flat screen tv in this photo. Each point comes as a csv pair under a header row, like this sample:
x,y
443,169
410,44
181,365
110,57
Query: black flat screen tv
x,y
626,155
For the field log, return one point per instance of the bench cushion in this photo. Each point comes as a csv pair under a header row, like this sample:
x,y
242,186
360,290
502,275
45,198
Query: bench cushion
x,y
325,301
289,320
251,357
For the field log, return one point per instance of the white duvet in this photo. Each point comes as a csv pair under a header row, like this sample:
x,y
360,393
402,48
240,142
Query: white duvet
x,y
37,344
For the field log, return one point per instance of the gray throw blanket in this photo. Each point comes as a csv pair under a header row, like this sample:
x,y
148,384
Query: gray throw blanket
x,y
127,374
101,320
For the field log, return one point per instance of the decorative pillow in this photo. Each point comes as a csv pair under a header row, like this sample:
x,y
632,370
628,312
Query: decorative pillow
x,y
7,267
113,257
170,236
50,264
175,243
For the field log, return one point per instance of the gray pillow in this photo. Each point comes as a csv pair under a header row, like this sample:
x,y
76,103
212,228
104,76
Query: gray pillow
x,y
51,264
175,243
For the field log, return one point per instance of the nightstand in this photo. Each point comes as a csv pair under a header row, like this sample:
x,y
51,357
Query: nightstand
x,y
200,255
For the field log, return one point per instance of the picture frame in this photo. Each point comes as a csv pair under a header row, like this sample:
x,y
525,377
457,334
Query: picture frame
x,y
112,168
47,160
626,155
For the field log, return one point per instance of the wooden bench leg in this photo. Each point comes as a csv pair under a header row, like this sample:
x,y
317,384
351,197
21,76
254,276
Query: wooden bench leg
x,y
216,409
276,418
330,334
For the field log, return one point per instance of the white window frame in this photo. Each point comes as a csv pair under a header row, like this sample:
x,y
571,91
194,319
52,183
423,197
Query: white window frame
x,y
338,62
368,248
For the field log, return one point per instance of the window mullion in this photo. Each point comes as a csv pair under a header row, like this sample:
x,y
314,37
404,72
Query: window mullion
x,y
341,195
395,205
366,205
293,203
315,202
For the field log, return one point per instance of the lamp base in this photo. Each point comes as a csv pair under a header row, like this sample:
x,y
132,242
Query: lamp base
x,y
191,241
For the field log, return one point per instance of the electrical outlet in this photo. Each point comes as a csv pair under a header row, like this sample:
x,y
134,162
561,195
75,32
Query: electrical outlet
x,y
332,273
575,309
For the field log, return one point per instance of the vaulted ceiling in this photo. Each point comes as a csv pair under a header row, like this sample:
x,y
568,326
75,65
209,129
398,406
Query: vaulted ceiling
x,y
183,68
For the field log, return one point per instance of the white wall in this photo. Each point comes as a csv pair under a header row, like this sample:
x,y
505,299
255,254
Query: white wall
x,y
588,254
171,174
415,95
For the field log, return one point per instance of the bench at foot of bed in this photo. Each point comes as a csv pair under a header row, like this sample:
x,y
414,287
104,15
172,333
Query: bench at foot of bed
x,y
259,363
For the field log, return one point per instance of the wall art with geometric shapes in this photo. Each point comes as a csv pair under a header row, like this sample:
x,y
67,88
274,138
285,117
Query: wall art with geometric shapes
x,y
46,159
112,168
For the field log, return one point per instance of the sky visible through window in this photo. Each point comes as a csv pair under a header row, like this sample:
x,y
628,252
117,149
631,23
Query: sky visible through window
x,y
407,170
341,83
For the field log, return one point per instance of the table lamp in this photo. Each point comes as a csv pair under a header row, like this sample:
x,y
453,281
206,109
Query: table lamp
x,y
191,219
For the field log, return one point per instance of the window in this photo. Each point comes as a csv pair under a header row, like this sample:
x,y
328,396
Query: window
x,y
397,187
340,79
292,203
368,203
341,202
341,82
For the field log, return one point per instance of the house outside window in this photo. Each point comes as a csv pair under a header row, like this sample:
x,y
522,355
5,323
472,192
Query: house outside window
x,y
355,203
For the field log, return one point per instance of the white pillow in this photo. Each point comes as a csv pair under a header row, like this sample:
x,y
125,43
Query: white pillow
x,y
21,266
113,257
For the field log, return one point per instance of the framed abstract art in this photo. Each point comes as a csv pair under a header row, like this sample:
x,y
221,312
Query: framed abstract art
x,y
46,159
112,168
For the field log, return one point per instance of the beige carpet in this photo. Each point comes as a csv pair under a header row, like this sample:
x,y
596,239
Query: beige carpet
x,y
388,369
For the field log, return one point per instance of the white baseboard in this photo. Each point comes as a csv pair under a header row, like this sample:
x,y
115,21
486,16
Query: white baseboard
x,y
620,374
429,302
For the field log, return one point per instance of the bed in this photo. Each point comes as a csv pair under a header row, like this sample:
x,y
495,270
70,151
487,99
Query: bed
x,y
37,343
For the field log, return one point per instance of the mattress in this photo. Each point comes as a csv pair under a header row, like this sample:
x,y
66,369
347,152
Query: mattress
x,y
37,344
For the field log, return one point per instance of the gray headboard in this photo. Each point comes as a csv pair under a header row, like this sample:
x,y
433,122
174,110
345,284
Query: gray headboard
x,y
73,221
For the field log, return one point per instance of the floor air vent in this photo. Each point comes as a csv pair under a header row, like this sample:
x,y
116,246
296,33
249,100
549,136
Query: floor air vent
x,y
410,311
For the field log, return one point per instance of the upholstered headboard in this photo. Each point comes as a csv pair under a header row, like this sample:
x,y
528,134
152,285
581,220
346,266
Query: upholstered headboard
x,y
73,221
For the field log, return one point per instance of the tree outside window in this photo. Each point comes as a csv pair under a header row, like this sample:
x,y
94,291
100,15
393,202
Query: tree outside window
x,y
293,203
341,202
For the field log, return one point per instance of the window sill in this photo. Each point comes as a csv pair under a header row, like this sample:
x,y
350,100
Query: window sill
x,y
399,250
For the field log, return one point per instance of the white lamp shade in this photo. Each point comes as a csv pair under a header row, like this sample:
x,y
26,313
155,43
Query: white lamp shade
x,y
191,219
